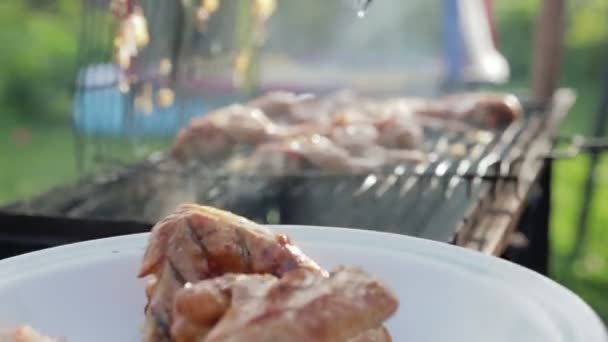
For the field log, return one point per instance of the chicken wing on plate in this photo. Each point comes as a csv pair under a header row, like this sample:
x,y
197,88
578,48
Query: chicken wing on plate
x,y
216,276
197,243
301,306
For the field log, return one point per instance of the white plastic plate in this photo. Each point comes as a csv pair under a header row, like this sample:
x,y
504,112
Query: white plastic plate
x,y
88,291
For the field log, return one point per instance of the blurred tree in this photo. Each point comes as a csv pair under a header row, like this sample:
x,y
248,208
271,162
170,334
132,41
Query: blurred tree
x,y
38,40
586,37
516,20
586,40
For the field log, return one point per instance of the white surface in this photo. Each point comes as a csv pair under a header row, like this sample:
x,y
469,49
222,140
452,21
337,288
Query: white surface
x,y
486,64
88,291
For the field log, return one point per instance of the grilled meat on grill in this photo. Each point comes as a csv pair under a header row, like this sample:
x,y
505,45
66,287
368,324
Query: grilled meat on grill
x,y
315,150
322,153
217,132
280,105
286,107
394,123
342,132
484,109
301,306
355,136
346,113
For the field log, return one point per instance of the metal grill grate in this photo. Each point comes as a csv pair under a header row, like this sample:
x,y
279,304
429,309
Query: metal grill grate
x,y
429,200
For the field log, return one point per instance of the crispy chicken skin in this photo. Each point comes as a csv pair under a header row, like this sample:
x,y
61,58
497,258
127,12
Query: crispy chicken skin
x,y
197,243
220,130
301,306
216,276
484,109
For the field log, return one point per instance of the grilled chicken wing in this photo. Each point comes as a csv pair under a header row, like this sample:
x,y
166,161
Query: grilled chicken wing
x,y
354,136
197,243
484,109
393,121
219,131
301,306
281,105
315,150
287,107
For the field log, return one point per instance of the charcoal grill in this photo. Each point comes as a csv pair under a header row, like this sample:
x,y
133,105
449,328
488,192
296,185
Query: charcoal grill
x,y
475,201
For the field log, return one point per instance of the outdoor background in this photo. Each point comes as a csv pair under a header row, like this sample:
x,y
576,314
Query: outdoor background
x,y
37,63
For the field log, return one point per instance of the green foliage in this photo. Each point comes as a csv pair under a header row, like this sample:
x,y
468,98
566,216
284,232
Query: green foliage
x,y
516,20
587,25
586,37
38,57
588,276
586,41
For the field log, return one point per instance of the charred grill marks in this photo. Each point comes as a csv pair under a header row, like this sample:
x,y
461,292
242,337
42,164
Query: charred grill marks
x,y
162,325
197,239
176,273
244,251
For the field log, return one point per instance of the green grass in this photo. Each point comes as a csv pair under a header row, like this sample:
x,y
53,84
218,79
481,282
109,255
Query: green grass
x,y
37,156
44,157
588,275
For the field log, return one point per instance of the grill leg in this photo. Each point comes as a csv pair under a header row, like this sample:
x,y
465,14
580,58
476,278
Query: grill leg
x,y
534,225
599,130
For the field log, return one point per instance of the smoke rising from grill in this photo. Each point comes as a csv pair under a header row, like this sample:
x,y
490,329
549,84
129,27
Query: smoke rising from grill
x,y
396,47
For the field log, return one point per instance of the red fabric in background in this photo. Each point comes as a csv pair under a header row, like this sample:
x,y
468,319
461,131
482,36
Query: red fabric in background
x,y
492,20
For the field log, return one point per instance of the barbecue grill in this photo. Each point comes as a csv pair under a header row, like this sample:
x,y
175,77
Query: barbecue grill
x,y
474,201
474,193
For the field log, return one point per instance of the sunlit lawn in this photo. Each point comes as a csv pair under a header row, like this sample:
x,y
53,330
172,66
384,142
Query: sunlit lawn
x,y
34,157
587,276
